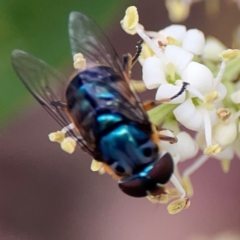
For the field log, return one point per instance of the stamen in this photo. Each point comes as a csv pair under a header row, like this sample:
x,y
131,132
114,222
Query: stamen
x,y
178,186
224,114
213,149
187,185
218,79
151,44
210,97
96,165
230,54
56,136
68,145
197,164
195,92
207,126
178,205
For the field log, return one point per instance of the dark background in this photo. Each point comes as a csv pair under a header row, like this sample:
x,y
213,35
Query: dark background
x,y
47,194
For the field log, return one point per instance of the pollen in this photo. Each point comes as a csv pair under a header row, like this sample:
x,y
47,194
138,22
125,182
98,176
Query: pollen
x,y
173,41
56,136
223,113
230,54
68,145
211,97
213,149
96,165
178,205
130,20
225,164
79,61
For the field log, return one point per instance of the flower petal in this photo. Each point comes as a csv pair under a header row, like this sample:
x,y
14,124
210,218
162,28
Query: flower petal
x,y
235,97
184,139
153,73
175,31
179,57
166,91
168,147
224,134
199,76
189,116
213,47
194,41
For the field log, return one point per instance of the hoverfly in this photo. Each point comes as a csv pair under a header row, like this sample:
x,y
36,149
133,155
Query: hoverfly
x,y
106,117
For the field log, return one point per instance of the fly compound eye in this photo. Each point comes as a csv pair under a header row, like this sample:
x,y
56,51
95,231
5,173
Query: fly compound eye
x,y
133,186
162,169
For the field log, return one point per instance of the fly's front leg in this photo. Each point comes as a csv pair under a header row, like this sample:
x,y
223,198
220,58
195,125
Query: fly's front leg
x,y
129,61
127,64
138,52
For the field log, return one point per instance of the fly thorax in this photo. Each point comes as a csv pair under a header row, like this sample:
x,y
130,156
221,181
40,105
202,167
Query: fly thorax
x,y
127,149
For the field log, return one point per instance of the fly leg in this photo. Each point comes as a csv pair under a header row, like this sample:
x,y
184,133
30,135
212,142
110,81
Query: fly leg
x,y
129,61
169,139
138,52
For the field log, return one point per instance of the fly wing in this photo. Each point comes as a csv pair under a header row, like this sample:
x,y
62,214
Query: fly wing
x,y
42,81
87,38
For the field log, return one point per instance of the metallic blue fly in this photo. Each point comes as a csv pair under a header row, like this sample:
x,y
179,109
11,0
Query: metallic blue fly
x,y
110,123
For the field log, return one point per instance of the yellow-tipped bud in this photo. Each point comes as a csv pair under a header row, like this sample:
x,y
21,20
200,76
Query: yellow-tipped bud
x,y
225,164
230,54
178,205
212,149
68,145
79,61
130,20
96,165
56,136
177,10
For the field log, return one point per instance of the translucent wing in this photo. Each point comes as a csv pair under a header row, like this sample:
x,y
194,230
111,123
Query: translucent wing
x,y
87,38
40,79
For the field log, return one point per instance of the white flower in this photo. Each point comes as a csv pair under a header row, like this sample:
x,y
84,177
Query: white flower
x,y
194,41
187,146
175,31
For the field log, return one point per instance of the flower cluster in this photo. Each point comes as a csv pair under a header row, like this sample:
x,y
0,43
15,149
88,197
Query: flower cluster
x,y
197,81
178,10
197,84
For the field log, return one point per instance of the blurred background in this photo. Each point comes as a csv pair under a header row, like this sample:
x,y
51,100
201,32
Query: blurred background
x,y
47,194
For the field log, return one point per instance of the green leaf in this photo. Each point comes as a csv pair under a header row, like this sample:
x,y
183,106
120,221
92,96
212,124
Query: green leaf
x,y
41,28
